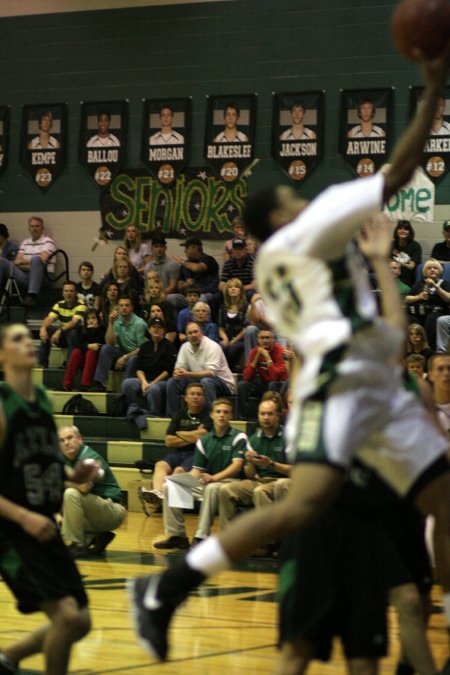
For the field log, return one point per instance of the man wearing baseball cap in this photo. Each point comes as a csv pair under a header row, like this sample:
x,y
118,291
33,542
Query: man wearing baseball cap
x,y
199,269
240,266
441,251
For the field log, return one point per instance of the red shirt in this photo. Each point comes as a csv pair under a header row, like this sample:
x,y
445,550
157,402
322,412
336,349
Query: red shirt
x,y
275,373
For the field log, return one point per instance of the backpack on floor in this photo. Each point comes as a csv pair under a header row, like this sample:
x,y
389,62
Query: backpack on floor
x,y
119,406
78,405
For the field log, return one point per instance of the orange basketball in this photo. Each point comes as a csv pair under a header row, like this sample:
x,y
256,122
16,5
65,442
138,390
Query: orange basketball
x,y
422,24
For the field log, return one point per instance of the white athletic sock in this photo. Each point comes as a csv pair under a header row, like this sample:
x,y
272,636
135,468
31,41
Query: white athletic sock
x,y
208,557
446,603
7,663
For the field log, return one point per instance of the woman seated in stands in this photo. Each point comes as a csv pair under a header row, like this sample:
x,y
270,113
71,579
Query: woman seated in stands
x,y
138,251
154,295
85,356
406,251
429,299
156,312
123,276
233,321
417,342
109,301
201,313
120,253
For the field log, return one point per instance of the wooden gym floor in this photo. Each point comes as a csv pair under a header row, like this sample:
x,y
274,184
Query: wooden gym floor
x,y
228,626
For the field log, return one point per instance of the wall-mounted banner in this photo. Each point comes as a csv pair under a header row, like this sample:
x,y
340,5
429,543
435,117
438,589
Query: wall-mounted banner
x,y
230,134
4,137
414,201
197,203
103,139
43,142
365,129
436,154
166,134
297,132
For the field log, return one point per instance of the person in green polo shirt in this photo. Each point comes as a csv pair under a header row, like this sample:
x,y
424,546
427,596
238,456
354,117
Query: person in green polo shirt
x,y
90,510
218,457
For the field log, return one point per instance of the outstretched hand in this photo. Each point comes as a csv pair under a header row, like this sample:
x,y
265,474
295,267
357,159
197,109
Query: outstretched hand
x,y
375,238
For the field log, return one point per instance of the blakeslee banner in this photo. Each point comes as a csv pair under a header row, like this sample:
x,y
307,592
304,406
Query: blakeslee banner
x,y
436,153
103,139
365,129
4,137
166,135
230,134
43,142
297,132
196,203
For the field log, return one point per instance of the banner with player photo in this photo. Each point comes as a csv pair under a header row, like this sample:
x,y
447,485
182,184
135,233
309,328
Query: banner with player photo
x,y
4,137
230,134
197,203
297,132
366,129
43,142
436,154
166,134
103,139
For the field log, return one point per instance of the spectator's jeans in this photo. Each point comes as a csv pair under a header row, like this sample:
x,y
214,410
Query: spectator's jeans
x,y
442,333
31,280
69,339
155,397
213,386
108,356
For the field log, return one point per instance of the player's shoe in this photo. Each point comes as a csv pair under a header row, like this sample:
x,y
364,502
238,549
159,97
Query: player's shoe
x,y
151,616
446,668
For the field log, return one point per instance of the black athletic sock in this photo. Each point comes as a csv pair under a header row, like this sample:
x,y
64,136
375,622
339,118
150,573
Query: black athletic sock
x,y
177,582
404,669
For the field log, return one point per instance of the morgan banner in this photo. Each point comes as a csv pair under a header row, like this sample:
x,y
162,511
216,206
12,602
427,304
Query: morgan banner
x,y
197,203
43,142
365,129
436,154
4,137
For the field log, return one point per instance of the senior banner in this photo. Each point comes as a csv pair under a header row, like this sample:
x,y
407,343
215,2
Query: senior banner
x,y
230,134
4,137
197,203
365,129
414,201
103,139
297,132
436,153
43,142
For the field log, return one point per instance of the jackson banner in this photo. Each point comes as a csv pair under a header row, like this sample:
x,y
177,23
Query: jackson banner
x,y
230,134
103,139
365,129
436,153
43,142
166,135
4,137
297,132
196,203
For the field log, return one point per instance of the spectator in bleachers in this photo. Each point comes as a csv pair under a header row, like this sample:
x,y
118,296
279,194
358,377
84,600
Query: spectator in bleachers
x,y
8,249
201,313
124,335
241,266
89,291
198,268
190,422
406,251
218,458
154,365
120,253
441,250
126,280
396,269
256,319
233,321
85,355
415,365
240,233
429,299
203,360
69,313
138,251
154,295
184,315
109,301
156,312
31,261
167,269
265,369
417,343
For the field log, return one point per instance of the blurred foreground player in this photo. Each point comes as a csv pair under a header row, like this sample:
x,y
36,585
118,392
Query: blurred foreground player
x,y
348,395
34,561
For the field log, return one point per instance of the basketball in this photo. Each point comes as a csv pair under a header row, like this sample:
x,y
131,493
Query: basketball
x,y
422,24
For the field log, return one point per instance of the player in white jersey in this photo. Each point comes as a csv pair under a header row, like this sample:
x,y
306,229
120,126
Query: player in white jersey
x,y
103,139
366,128
346,397
440,127
166,135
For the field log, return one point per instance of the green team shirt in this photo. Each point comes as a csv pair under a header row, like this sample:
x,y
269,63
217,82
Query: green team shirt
x,y
271,446
215,453
108,488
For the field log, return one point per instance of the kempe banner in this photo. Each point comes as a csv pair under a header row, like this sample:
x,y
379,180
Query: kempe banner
x,y
365,129
166,134
230,134
43,142
196,203
297,132
103,139
436,154
4,137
